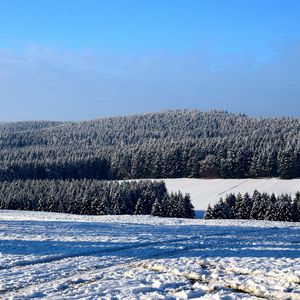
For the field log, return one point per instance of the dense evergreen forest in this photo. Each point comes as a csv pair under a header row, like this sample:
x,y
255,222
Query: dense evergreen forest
x,y
94,197
260,206
183,143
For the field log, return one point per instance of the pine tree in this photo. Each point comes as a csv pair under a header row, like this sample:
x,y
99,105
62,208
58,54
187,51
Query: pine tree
x,y
230,201
140,208
284,208
271,209
286,163
157,209
263,206
296,208
256,207
209,214
220,210
188,207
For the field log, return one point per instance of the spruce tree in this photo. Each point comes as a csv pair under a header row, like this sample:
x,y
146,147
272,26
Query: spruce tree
x,y
157,209
296,208
209,214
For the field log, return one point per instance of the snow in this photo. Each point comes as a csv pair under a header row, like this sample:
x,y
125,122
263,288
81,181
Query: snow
x,y
61,256
209,191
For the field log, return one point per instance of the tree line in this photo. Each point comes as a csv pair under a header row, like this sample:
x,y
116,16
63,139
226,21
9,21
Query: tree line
x,y
260,206
94,197
181,143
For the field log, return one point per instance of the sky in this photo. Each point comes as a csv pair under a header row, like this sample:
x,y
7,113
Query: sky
x,y
86,59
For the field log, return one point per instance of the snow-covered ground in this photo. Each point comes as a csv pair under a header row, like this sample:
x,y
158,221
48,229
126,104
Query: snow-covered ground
x,y
209,191
60,256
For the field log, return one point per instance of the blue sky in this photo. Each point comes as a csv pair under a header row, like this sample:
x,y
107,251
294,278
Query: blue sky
x,y
83,59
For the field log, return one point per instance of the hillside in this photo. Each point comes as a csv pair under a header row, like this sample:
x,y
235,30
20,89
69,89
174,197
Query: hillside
x,y
209,191
172,144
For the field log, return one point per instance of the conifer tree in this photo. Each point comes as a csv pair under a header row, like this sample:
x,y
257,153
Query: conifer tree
x,y
157,209
296,208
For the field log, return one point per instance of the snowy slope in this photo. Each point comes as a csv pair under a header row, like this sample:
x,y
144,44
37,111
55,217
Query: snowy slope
x,y
60,256
208,191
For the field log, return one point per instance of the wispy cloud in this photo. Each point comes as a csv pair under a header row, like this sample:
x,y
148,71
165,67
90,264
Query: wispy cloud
x,y
44,83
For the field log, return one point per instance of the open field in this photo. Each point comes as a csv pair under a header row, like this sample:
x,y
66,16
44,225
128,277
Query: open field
x,y
60,256
208,191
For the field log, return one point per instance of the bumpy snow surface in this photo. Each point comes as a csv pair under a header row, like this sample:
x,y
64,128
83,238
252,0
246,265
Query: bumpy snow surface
x,y
60,256
209,191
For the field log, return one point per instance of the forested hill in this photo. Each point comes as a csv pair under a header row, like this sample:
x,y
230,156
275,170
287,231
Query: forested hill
x,y
183,143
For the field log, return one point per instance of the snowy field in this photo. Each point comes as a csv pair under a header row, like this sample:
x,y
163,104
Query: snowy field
x,y
209,191
59,256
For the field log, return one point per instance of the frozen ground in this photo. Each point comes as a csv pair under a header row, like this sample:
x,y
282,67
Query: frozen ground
x,y
59,256
208,191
